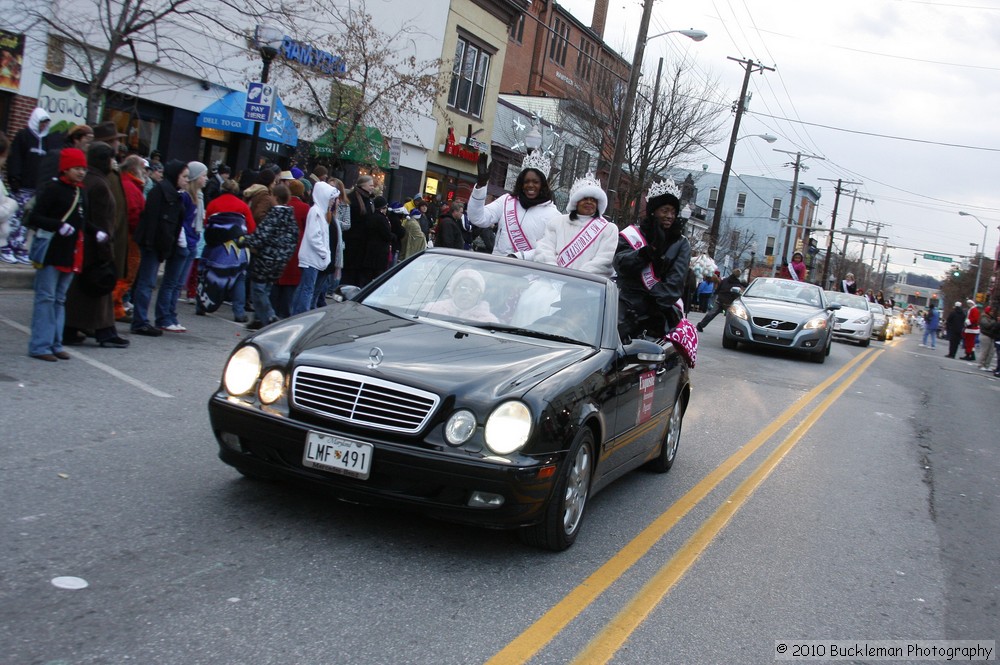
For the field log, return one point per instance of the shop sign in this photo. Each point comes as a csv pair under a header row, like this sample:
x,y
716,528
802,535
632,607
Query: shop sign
x,y
313,58
65,104
395,149
11,59
453,148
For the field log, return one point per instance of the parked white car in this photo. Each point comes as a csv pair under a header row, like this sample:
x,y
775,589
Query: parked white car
x,y
853,320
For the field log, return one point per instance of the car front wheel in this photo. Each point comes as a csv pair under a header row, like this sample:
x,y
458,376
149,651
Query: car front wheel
x,y
671,440
729,342
564,512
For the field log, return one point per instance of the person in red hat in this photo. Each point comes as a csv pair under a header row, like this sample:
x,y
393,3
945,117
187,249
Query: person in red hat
x,y
57,253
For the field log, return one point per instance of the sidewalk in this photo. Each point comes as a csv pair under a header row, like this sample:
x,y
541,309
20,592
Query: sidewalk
x,y
16,276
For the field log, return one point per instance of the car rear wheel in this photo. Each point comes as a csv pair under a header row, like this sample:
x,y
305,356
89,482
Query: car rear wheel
x,y
564,512
671,440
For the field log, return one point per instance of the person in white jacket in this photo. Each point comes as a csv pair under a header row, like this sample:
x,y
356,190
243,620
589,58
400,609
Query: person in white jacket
x,y
314,252
581,239
520,216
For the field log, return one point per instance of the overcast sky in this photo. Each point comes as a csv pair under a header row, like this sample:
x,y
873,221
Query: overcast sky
x,y
849,76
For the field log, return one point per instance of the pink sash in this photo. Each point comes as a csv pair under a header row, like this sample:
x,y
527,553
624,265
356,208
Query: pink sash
x,y
635,239
584,239
513,224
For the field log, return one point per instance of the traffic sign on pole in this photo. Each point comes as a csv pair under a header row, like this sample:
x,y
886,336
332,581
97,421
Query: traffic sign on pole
x,y
936,257
260,102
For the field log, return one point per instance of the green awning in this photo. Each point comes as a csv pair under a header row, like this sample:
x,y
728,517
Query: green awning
x,y
365,147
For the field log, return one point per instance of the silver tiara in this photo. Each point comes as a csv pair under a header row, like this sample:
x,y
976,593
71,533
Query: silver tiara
x,y
587,181
663,187
539,161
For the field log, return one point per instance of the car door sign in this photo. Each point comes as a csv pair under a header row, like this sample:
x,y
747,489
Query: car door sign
x,y
647,385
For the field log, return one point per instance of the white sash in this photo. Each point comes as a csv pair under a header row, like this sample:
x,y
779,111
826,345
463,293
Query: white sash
x,y
513,225
635,239
791,271
584,239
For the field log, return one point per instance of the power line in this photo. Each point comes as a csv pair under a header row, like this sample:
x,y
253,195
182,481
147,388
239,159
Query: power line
x,y
882,136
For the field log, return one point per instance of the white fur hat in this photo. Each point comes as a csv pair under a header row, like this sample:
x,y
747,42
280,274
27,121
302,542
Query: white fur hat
x,y
587,186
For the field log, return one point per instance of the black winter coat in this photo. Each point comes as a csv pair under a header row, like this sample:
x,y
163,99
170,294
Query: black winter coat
x,y
160,222
378,242
51,204
670,267
355,238
24,161
955,323
449,233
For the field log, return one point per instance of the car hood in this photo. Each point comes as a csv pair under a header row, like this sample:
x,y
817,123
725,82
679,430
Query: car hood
x,y
440,358
852,313
779,309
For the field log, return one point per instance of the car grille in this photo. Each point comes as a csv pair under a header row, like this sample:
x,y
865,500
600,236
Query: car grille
x,y
763,322
362,400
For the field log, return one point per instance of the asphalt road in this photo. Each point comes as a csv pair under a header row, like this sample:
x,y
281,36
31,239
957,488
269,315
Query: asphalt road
x,y
867,512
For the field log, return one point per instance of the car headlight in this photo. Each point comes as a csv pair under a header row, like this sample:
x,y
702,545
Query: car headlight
x,y
242,370
272,386
815,322
738,310
862,321
508,427
459,427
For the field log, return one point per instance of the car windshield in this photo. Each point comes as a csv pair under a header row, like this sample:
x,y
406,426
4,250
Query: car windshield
x,y
847,299
787,290
516,299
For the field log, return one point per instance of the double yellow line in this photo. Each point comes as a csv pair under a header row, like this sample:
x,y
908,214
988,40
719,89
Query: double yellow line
x,y
603,647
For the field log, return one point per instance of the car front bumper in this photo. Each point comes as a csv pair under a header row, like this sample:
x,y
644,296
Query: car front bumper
x,y
745,332
439,483
852,334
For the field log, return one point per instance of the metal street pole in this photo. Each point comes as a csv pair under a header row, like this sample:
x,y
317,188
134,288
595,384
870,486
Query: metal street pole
x,y
979,265
644,159
264,73
791,204
713,233
614,176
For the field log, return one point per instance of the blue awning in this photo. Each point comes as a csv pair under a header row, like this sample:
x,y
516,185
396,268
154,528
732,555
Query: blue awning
x,y
227,114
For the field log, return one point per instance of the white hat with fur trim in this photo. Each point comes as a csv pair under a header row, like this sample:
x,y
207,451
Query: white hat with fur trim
x,y
587,186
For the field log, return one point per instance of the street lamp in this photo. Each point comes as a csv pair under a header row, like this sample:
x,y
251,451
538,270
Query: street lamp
x,y
533,139
767,137
268,40
614,174
979,262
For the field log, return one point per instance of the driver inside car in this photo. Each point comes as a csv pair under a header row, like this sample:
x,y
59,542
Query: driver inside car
x,y
466,290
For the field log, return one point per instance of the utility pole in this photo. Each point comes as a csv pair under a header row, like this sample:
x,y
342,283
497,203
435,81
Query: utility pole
x,y
833,226
751,67
614,177
644,159
785,253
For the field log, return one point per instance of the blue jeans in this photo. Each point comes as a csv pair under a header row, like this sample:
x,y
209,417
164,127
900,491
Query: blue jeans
x,y
174,279
49,314
142,289
260,295
239,295
325,283
930,333
302,300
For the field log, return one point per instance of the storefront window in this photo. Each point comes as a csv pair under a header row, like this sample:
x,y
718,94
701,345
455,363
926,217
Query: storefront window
x,y
141,135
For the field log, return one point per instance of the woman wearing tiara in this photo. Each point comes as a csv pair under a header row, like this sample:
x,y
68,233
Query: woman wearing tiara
x,y
520,216
581,239
652,262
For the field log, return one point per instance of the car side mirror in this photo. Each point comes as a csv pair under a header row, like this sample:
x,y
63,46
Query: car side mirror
x,y
642,351
833,306
737,290
346,292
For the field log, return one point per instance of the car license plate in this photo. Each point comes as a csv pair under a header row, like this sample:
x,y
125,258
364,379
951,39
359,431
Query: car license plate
x,y
338,455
